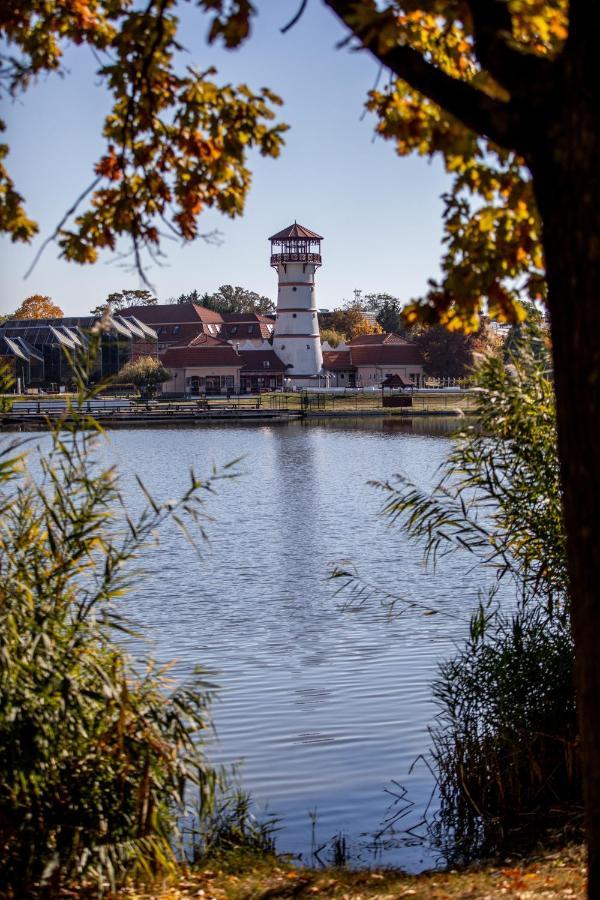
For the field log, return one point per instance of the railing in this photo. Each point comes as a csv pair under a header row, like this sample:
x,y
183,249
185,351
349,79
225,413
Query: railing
x,y
280,258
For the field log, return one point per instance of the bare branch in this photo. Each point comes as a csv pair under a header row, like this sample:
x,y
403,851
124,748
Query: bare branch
x,y
296,18
56,231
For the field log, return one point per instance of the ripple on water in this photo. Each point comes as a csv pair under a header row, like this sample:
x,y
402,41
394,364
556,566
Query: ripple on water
x,y
325,706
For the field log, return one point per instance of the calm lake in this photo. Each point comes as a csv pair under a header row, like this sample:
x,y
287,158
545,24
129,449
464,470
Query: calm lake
x,y
326,709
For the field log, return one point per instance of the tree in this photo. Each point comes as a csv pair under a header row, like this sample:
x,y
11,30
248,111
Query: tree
x,y
388,310
146,373
349,321
176,142
509,94
506,92
38,307
519,332
193,297
331,337
447,354
122,299
229,299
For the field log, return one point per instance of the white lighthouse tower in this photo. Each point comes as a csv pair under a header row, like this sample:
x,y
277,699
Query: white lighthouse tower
x,y
296,254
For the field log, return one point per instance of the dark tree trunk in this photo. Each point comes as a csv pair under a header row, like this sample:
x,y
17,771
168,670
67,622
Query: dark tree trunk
x,y
566,171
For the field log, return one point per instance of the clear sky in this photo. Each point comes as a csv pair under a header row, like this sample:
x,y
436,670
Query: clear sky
x,y
380,214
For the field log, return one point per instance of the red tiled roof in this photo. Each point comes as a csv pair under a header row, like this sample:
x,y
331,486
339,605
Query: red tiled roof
x,y
203,356
296,231
178,335
337,359
388,355
164,313
207,340
173,314
254,361
385,337
245,330
246,317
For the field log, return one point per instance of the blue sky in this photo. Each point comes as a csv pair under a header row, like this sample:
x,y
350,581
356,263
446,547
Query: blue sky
x,y
380,214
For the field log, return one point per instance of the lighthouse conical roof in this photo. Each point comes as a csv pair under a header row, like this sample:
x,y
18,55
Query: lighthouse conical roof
x,y
296,231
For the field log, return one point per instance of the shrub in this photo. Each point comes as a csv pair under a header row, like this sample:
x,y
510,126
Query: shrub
x,y
96,757
505,744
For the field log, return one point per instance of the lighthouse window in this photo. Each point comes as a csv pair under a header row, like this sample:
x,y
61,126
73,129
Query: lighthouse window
x,y
293,288
293,315
308,346
283,346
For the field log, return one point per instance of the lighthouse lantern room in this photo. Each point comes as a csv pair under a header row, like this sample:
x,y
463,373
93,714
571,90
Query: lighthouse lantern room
x,y
296,254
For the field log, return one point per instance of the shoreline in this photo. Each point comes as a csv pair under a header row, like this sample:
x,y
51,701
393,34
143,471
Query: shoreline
x,y
143,419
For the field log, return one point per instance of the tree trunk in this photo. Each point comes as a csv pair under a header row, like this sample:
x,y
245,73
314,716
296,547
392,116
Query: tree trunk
x,y
567,183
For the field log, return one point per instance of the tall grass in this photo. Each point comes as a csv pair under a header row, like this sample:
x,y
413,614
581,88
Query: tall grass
x,y
505,743
97,758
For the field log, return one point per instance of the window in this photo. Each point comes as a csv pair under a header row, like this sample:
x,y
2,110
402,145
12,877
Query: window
x,y
308,346
283,346
293,315
266,364
176,329
227,381
293,288
234,328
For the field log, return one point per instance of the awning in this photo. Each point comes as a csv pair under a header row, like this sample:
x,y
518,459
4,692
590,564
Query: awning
x,y
32,352
62,338
149,332
15,349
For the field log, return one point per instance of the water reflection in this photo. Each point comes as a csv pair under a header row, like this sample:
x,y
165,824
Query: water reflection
x,y
324,706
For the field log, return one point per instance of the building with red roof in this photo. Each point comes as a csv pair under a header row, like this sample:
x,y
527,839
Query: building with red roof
x,y
369,359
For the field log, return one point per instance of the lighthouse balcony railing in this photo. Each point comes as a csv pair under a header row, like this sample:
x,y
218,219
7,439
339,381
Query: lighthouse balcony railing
x,y
280,258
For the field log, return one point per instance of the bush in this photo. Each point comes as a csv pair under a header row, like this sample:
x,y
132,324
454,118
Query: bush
x,y
96,757
505,745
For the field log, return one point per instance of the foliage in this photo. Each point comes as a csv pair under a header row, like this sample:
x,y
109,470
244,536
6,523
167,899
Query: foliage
x,y
349,321
453,354
229,299
37,307
332,337
506,742
119,300
460,70
519,332
176,142
146,373
96,755
232,833
389,312
193,297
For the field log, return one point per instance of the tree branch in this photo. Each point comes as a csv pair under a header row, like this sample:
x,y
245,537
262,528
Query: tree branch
x,y
513,68
496,119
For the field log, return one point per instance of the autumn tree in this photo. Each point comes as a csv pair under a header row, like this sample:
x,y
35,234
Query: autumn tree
x,y
38,306
350,321
146,373
332,337
230,299
388,310
505,91
175,141
119,300
508,94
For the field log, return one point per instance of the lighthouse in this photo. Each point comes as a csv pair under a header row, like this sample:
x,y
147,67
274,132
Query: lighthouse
x,y
296,254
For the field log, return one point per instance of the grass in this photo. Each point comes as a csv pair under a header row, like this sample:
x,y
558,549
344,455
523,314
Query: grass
x,y
547,875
